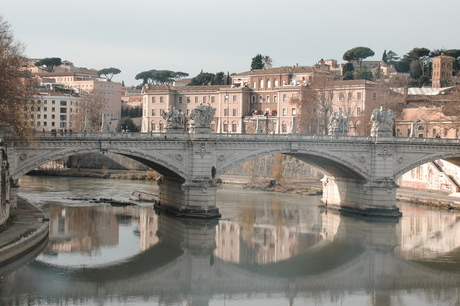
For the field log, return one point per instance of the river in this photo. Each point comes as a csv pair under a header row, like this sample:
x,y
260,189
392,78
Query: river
x,y
267,249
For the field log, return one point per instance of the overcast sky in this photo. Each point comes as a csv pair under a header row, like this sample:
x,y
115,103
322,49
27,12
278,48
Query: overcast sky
x,y
216,35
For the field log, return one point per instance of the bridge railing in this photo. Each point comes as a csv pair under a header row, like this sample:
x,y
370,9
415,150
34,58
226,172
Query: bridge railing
x,y
240,137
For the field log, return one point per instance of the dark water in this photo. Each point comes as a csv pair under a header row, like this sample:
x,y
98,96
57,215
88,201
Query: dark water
x,y
268,249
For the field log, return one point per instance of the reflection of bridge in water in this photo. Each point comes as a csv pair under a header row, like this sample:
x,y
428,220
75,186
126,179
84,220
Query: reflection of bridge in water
x,y
351,256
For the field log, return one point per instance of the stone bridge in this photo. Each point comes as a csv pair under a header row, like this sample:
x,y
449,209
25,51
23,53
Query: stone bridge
x,y
360,172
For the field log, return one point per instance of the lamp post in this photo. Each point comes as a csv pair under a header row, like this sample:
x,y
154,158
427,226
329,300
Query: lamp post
x,y
228,111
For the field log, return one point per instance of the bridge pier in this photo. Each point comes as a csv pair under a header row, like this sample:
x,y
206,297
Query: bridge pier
x,y
369,198
194,199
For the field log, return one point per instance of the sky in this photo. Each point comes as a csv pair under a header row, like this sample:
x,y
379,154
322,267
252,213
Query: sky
x,y
217,35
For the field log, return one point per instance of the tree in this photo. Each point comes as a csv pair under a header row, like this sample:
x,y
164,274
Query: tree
x,y
219,78
357,54
49,63
203,78
108,73
385,57
347,71
15,93
420,55
257,62
392,57
363,75
90,104
267,62
314,104
126,124
144,76
278,167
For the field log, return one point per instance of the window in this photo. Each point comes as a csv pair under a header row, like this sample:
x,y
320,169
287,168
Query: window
x,y
358,111
154,113
434,132
226,112
53,102
53,123
188,99
261,99
293,111
63,103
276,82
45,116
63,118
261,83
332,96
213,99
268,99
275,99
161,126
284,111
152,126
53,117
225,126
162,100
341,96
254,85
234,98
38,116
196,99
180,100
53,109
284,97
253,99
234,112
283,127
269,83
63,110
349,111
153,99
234,127
204,99
374,96
446,132
350,96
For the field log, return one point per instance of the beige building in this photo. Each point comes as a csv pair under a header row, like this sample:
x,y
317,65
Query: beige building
x,y
53,110
81,80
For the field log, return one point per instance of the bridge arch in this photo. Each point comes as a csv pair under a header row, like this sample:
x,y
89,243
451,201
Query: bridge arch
x,y
165,166
331,164
415,162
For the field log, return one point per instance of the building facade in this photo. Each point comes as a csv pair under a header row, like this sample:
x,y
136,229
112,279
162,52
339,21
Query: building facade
x,y
443,67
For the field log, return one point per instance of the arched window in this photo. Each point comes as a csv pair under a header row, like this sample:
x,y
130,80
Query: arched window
x,y
161,125
261,83
152,126
283,127
276,83
234,125
269,83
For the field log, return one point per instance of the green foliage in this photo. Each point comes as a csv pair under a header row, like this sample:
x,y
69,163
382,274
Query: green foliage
x,y
363,75
257,62
126,124
160,76
203,78
384,57
49,63
132,112
108,73
392,57
357,54
219,78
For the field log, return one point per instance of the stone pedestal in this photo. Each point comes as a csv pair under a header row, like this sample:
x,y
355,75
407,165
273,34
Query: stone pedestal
x,y
369,198
194,199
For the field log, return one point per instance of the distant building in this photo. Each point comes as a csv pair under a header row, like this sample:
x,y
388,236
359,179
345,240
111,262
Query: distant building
x,y
443,67
81,80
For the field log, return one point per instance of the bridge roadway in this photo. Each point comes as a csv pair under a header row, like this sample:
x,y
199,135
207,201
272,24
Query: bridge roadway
x,y
360,171
182,266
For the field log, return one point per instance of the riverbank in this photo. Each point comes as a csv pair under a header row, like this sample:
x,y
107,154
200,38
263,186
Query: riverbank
x,y
24,234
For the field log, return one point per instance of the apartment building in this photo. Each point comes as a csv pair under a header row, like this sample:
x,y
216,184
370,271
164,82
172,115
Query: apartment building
x,y
53,110
82,80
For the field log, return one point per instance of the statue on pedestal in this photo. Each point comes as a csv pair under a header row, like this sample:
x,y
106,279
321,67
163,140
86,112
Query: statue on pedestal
x,y
175,120
201,118
382,122
338,124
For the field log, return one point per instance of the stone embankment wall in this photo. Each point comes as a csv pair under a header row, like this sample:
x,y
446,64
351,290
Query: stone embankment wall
x,y
293,168
109,160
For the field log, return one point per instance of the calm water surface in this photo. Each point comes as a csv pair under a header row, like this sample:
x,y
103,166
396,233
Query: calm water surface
x,y
268,249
